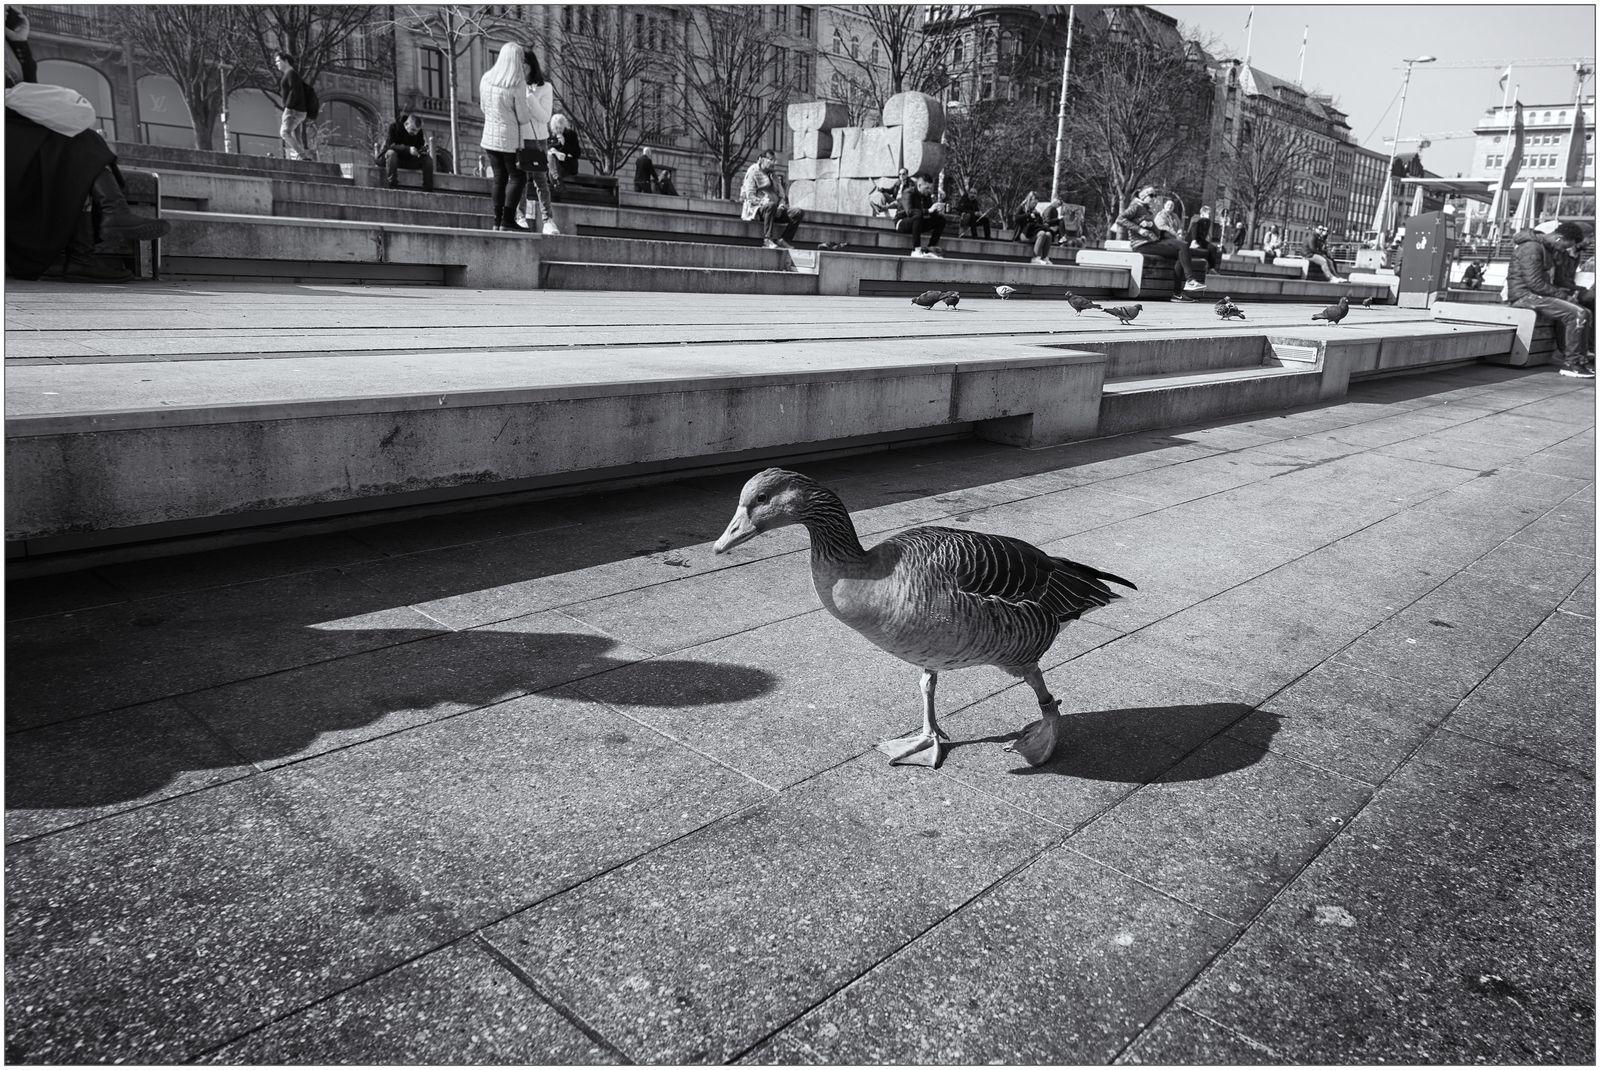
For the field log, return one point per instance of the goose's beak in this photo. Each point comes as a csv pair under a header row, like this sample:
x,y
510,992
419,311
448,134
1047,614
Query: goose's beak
x,y
740,529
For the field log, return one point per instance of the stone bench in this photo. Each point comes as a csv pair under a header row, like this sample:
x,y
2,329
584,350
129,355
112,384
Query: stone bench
x,y
1299,263
586,189
1535,341
143,191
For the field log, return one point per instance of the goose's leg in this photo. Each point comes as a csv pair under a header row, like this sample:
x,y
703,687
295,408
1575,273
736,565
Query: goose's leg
x,y
1038,741
919,748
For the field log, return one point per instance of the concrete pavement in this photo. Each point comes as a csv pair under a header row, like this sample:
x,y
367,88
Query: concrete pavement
x,y
552,783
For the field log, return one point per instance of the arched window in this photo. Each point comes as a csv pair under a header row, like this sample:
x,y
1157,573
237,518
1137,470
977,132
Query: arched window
x,y
855,47
87,81
838,42
346,130
957,51
873,56
163,114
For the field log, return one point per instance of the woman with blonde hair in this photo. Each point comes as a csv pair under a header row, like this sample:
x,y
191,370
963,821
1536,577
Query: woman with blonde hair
x,y
503,96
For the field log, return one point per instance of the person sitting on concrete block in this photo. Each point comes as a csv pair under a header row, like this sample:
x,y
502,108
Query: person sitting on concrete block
x,y
917,217
765,201
1531,283
885,199
1199,237
1138,222
406,146
1052,229
1317,253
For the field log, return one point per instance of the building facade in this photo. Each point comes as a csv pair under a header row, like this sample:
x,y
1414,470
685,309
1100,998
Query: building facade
x,y
1547,137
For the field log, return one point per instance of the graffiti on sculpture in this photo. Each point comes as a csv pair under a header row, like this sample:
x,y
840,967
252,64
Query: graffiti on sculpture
x,y
835,167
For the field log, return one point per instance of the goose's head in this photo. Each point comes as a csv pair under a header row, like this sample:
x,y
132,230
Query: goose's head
x,y
769,500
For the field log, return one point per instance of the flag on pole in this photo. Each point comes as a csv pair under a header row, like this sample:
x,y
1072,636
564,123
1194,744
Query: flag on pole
x,y
1248,18
1502,195
1575,149
1504,78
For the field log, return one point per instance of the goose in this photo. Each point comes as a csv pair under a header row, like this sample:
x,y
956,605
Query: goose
x,y
938,598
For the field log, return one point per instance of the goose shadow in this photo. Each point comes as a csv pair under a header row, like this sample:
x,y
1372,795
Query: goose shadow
x,y
1140,744
418,678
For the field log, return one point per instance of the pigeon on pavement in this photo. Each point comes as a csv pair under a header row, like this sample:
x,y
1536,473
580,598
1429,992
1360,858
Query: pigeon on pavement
x,y
1080,304
1227,310
1334,313
1125,313
1367,303
928,298
1005,292
951,298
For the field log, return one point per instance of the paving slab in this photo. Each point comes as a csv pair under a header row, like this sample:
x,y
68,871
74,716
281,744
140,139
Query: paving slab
x,y
791,900
456,1006
1452,923
1103,956
154,935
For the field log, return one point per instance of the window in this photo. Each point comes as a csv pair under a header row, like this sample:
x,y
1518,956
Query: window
x,y
806,21
432,61
838,42
956,51
873,56
855,47
655,111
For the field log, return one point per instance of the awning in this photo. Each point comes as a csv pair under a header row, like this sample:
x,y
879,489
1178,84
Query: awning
x,y
1472,189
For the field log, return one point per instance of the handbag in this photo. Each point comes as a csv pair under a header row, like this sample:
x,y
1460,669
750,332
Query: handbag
x,y
533,156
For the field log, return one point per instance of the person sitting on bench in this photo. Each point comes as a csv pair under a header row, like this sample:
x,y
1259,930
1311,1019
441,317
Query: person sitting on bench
x,y
917,217
1138,222
1531,283
1199,238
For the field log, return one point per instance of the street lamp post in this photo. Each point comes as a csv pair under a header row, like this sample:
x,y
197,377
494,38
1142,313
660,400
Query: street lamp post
x,y
1385,204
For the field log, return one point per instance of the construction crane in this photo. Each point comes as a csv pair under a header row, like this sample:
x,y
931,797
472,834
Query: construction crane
x,y
1517,64
1429,139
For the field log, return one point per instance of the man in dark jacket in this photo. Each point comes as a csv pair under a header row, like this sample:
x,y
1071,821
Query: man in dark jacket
x,y
917,217
1530,283
644,172
296,104
406,147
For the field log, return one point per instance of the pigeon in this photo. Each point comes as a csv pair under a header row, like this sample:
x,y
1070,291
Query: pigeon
x,y
1227,310
928,298
1005,292
1367,303
1080,304
951,298
1334,313
1125,313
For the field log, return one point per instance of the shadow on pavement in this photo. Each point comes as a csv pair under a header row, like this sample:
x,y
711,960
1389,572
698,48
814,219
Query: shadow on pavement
x,y
128,755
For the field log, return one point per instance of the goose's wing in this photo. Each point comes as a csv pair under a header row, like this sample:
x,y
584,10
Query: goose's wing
x,y
976,564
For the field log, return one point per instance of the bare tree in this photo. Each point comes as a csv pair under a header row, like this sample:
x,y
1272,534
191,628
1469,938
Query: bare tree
x,y
604,89
188,43
1136,116
737,82
1000,149
906,57
317,37
1261,166
453,29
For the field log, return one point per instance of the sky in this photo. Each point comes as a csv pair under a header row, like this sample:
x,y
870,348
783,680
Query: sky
x,y
1354,52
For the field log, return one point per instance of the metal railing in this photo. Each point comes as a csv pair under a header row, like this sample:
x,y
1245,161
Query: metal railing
x,y
66,23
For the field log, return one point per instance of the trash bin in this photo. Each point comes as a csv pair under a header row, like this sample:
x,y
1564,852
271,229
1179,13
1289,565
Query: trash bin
x,y
1425,256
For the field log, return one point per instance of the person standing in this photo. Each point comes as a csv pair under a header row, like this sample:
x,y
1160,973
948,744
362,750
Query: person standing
x,y
764,201
1138,222
406,147
1530,283
917,217
644,172
503,96
296,104
534,158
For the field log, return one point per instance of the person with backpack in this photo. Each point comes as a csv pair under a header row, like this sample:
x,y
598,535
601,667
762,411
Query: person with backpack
x,y
299,104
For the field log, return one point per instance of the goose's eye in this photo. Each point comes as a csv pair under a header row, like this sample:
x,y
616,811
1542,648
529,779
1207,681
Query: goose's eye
x,y
761,499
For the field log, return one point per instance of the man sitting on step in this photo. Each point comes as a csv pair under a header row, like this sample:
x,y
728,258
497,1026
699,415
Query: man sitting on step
x,y
764,201
406,146
917,217
1531,283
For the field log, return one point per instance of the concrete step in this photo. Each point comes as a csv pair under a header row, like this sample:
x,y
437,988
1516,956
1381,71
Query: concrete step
x,y
1143,403
218,245
569,275
168,158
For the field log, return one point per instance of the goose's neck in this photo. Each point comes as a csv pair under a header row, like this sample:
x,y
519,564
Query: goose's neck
x,y
833,534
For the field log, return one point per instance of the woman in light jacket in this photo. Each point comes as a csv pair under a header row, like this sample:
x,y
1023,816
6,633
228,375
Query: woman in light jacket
x,y
503,95
536,138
